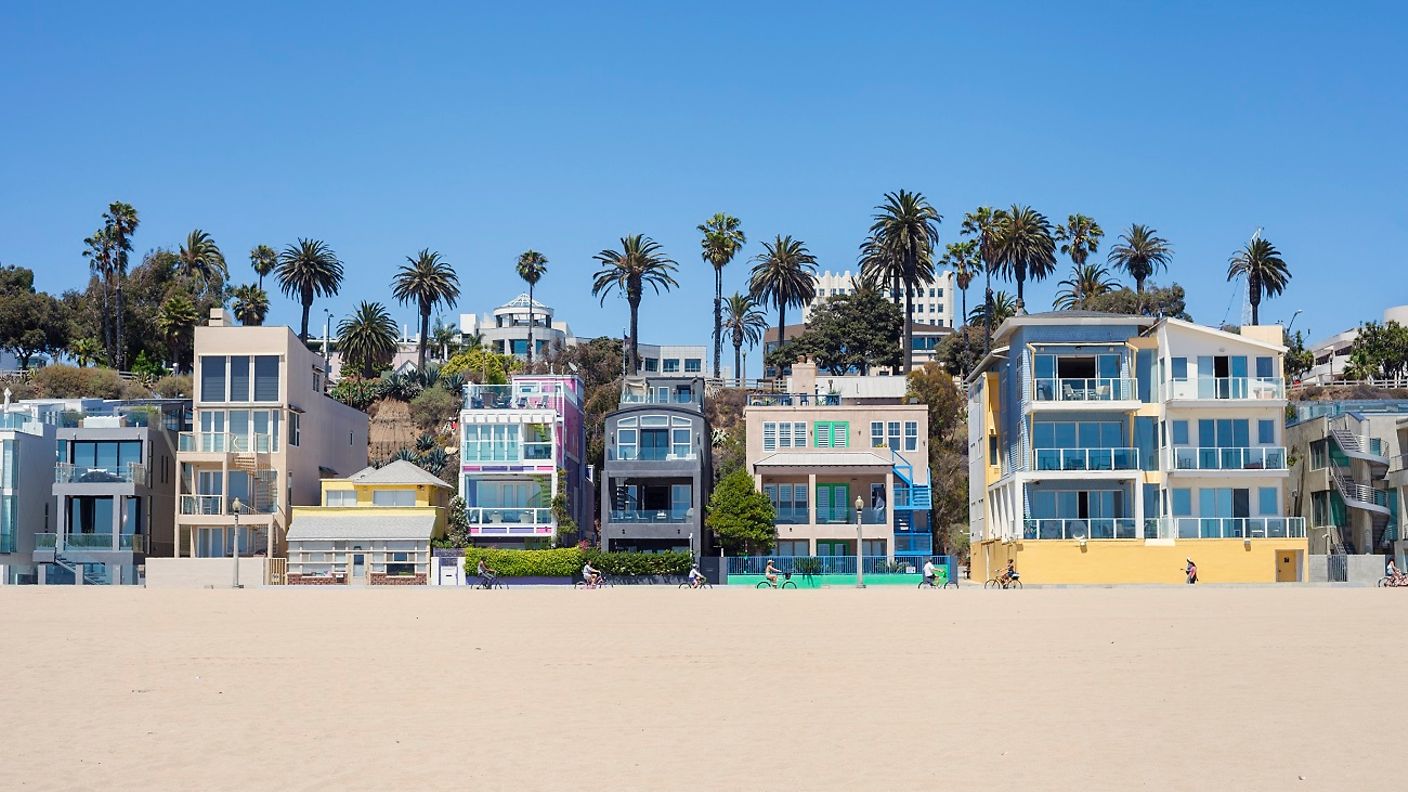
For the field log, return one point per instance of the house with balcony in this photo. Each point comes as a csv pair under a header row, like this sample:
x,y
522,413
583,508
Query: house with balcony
x,y
521,443
1108,448
658,467
371,528
264,435
819,453
26,482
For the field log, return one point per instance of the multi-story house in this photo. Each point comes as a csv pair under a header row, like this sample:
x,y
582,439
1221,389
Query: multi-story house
x,y
265,434
1397,482
672,360
933,303
520,444
658,467
505,331
827,456
1110,449
26,479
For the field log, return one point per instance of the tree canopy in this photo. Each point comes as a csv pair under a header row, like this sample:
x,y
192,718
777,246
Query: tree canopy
x,y
1380,350
741,518
848,332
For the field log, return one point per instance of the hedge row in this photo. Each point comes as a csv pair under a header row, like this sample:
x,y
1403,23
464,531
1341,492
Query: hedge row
x,y
568,561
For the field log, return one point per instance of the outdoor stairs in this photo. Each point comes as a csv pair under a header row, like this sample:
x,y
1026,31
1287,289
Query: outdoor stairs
x,y
920,496
1350,443
78,570
1361,496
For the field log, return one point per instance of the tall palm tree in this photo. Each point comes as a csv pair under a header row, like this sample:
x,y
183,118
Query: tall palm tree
x,y
176,319
901,245
367,338
639,263
1141,252
962,258
532,266
783,274
121,222
263,259
250,304
981,225
723,238
1024,248
744,322
1079,236
1086,281
200,259
1266,272
995,311
98,249
306,269
426,280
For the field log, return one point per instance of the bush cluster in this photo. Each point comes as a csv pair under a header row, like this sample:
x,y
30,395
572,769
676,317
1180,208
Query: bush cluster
x,y
568,561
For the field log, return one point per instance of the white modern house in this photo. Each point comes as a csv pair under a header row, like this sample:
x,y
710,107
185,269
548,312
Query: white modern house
x,y
505,329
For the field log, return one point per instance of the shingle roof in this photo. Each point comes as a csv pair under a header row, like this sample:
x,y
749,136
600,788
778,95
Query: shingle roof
x,y
346,524
398,472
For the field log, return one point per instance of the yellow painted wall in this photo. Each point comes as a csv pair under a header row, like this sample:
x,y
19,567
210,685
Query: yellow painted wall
x,y
1113,561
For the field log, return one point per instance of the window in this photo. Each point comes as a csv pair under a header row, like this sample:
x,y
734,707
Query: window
x,y
294,430
1266,432
787,434
212,378
670,365
877,434
393,497
769,436
652,365
8,522
911,435
1180,368
680,442
1180,433
341,498
239,378
1266,502
399,564
1182,505
627,443
1265,367
1224,433
266,378
833,503
832,434
492,443
693,365
1319,456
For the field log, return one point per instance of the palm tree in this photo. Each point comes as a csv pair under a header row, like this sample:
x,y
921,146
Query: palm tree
x,y
367,338
901,245
427,280
1024,248
1266,272
444,336
783,274
981,223
999,309
532,266
176,319
250,304
308,268
1079,237
1141,252
723,238
98,249
200,259
1086,281
263,259
121,222
962,258
745,322
86,351
639,263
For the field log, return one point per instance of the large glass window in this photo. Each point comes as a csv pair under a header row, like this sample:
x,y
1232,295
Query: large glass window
x,y
911,435
212,378
239,378
1267,501
1179,368
1319,455
1266,432
670,365
340,498
1265,367
90,515
393,497
266,378
693,365
7,523
680,442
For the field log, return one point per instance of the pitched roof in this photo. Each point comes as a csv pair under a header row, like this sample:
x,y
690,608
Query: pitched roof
x,y
824,459
398,472
347,524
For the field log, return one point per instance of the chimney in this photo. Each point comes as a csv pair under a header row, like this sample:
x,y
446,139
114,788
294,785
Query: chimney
x,y
803,379
219,317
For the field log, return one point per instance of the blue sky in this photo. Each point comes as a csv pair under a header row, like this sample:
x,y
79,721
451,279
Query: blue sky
x,y
483,130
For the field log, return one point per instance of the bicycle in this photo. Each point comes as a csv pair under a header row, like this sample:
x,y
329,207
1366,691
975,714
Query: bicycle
x,y
934,584
703,584
1003,583
494,583
1390,582
786,582
602,581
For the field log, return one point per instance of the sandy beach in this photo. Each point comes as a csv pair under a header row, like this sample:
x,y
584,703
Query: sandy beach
x,y
656,689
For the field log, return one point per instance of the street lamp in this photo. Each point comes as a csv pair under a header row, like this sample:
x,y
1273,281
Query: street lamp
x,y
860,565
235,507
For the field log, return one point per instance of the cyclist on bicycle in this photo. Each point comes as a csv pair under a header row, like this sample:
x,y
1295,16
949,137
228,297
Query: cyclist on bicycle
x,y
1395,578
929,572
487,575
1010,574
591,575
696,578
771,573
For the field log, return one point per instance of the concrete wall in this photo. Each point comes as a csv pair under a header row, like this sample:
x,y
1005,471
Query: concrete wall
x,y
203,572
1364,569
1106,562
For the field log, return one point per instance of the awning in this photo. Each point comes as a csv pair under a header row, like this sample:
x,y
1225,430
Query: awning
x,y
344,525
824,459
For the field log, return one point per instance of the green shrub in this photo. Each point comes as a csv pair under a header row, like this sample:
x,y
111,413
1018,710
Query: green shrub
x,y
59,381
673,563
568,561
173,386
434,408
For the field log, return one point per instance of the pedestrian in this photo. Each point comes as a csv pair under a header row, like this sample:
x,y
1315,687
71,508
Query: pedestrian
x,y
1192,572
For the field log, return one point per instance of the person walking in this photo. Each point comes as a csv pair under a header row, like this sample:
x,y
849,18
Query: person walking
x,y
1191,571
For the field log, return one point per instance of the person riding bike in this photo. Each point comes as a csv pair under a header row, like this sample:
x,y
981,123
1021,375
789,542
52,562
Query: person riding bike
x,y
591,575
487,575
1395,578
930,572
771,573
696,578
1010,575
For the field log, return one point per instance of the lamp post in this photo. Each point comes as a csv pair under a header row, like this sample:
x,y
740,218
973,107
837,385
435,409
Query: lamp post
x,y
860,560
235,507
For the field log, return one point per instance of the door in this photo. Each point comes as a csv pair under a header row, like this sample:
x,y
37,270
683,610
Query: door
x,y
358,562
833,502
1288,566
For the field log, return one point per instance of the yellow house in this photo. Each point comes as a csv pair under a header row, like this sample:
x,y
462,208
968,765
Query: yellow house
x,y
374,527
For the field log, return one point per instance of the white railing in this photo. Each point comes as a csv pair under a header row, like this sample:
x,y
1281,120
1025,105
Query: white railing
x,y
203,504
1219,388
1088,528
1085,458
524,515
1098,389
1230,528
1203,458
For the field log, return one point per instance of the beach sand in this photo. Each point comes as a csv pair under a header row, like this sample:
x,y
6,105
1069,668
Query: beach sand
x,y
660,689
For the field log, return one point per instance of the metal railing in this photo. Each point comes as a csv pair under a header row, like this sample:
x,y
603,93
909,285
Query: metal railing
x,y
203,504
524,515
868,516
90,542
1254,388
225,443
635,453
1364,493
1397,463
1230,528
1088,528
509,397
132,472
671,515
1097,389
794,399
1204,458
672,397
812,565
1086,458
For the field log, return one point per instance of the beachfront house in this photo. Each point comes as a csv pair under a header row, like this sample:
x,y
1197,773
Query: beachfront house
x,y
371,528
26,481
1108,449
520,443
658,466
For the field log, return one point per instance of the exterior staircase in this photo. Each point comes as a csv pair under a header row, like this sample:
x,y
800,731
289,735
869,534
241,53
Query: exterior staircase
x,y
910,496
79,571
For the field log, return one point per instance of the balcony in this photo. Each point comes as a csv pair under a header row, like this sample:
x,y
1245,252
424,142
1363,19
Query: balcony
x,y
632,454
658,397
794,399
1227,388
225,443
220,505
868,516
1087,528
1231,528
517,452
131,473
1196,458
1097,389
791,515
1086,458
674,514
91,542
517,515
509,397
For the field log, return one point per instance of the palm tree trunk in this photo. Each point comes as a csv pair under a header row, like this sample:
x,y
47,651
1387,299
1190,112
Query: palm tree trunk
x,y
424,333
1138,285
895,289
307,306
718,319
737,359
987,310
1021,276
907,354
965,304
530,327
633,362
1254,296
121,354
781,322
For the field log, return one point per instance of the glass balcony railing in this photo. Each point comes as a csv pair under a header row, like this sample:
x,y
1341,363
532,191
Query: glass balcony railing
x,y
1086,458
1231,527
46,541
1219,388
674,514
130,473
91,542
514,515
1261,458
1087,528
510,397
1098,389
794,399
868,516
670,397
216,505
634,453
791,515
203,504
515,452
225,443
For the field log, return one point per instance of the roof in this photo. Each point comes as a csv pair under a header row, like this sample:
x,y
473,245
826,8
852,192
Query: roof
x,y
1214,331
824,459
521,301
398,472
347,524
1074,318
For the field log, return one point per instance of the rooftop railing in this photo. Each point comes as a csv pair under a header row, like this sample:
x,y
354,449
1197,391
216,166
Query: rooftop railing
x,y
509,397
794,399
1202,458
671,397
1096,389
1086,458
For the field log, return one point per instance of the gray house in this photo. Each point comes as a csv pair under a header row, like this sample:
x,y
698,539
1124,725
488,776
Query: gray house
x,y
658,470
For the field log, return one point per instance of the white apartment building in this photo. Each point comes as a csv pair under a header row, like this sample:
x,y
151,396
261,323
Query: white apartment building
x,y
933,305
505,330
